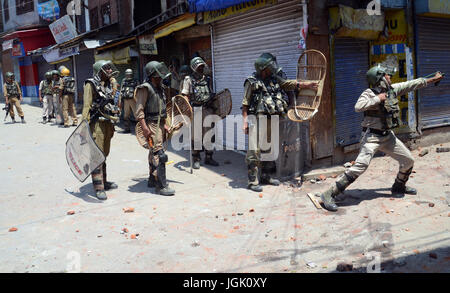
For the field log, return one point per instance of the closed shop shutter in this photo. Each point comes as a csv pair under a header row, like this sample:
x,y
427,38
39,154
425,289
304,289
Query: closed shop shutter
x,y
351,62
433,47
239,40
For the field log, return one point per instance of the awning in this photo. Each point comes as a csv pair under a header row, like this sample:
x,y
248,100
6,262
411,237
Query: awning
x,y
208,5
32,39
57,55
179,23
120,56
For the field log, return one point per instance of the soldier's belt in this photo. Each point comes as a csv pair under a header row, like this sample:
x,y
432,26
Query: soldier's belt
x,y
377,131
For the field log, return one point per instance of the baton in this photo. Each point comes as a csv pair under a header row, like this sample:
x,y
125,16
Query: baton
x,y
433,74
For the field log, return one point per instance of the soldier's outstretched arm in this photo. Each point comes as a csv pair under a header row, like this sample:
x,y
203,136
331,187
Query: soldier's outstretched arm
x,y
292,84
402,88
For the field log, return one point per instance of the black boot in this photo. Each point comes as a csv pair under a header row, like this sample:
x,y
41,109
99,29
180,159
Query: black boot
x,y
44,120
23,120
399,188
210,161
328,197
161,183
255,188
266,179
108,185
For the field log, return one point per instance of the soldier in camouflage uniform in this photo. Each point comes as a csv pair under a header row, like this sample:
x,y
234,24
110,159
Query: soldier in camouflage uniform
x,y
46,97
197,87
129,84
67,88
101,113
151,114
381,115
13,96
264,95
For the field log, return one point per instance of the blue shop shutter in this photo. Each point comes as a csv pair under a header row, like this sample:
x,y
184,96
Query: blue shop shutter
x,y
351,64
433,48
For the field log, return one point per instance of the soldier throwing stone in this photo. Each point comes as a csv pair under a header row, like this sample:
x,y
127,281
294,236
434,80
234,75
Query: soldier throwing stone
x,y
381,115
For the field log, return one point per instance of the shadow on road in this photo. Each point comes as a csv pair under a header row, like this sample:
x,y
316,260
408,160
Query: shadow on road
x,y
86,193
356,196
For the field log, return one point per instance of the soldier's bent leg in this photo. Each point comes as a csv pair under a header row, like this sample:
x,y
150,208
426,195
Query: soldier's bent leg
x,y
368,148
398,151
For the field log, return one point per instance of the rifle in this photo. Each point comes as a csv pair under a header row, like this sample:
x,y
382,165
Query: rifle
x,y
433,74
7,108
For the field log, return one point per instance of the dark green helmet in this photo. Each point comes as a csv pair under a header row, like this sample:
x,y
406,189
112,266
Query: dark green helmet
x,y
159,68
376,73
105,66
9,75
267,60
55,72
48,75
196,62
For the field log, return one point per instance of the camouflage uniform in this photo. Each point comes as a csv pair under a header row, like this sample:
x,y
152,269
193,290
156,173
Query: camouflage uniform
x,y
13,93
127,98
101,113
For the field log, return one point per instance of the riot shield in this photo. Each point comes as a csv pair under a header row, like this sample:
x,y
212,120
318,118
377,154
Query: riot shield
x,y
82,153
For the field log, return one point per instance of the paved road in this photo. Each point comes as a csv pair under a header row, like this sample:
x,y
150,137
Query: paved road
x,y
212,224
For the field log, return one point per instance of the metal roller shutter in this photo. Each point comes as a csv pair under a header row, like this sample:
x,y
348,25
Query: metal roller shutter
x,y
239,40
433,47
351,62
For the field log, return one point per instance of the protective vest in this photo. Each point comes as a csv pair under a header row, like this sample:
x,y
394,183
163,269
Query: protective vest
x,y
128,86
103,107
47,88
156,103
388,112
201,90
69,85
267,97
12,90
56,85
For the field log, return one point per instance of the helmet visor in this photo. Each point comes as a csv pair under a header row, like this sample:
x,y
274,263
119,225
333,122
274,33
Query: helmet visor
x,y
110,70
274,68
162,71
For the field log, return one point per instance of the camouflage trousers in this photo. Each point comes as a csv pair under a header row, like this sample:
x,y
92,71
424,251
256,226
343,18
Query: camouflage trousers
x,y
253,156
15,102
102,132
129,107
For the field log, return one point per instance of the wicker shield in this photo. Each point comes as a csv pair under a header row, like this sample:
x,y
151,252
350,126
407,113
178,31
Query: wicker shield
x,y
312,66
222,103
179,113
